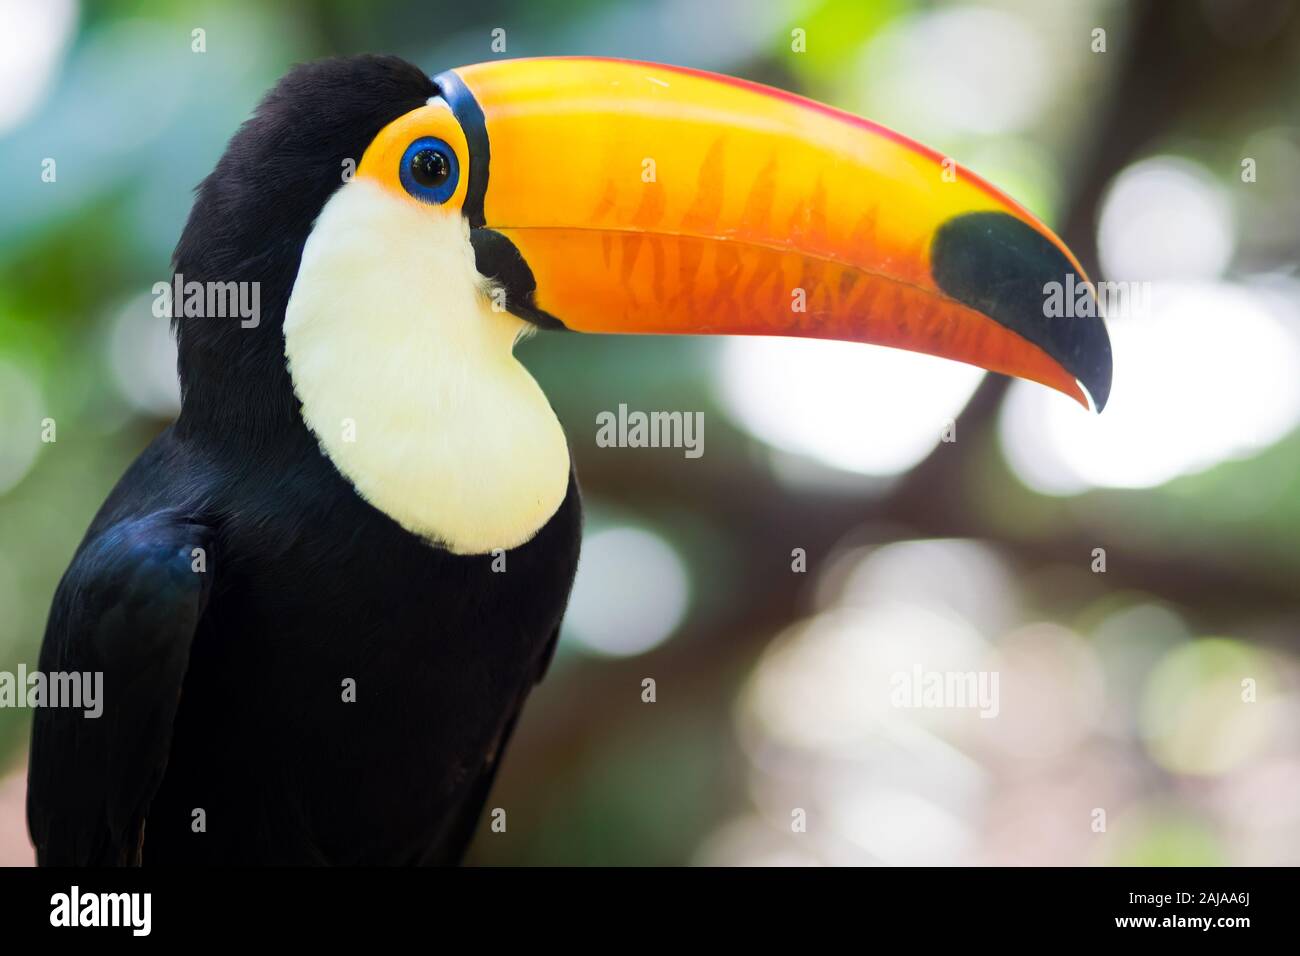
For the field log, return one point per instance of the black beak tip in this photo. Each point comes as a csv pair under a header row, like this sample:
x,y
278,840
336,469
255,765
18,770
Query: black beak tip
x,y
1006,269
1096,380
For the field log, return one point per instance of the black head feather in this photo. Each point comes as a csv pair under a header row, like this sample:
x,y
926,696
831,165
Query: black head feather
x,y
249,223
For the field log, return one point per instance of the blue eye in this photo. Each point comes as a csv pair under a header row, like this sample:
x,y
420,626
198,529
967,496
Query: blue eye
x,y
429,170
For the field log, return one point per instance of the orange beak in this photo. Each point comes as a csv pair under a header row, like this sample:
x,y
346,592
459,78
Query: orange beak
x,y
613,196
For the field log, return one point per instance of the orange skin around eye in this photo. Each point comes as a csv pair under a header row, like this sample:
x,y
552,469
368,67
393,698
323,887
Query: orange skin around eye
x,y
382,160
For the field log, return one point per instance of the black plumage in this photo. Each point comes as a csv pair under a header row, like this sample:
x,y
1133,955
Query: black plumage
x,y
223,688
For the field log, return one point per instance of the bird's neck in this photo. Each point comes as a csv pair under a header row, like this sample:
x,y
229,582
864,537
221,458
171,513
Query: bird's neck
x,y
407,378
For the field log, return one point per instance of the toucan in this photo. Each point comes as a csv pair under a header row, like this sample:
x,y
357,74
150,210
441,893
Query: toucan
x,y
319,599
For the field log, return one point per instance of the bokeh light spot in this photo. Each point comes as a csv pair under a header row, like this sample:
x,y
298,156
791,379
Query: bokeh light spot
x,y
874,411
33,36
20,425
1195,719
1210,375
1165,217
142,356
630,594
964,70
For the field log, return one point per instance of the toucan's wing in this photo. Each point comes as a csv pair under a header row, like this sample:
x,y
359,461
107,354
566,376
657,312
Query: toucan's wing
x,y
127,608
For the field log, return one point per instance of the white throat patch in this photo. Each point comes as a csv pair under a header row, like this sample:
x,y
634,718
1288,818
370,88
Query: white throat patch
x,y
407,377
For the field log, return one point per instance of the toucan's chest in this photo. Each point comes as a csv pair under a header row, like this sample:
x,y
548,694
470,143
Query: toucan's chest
x,y
356,561
338,581
360,675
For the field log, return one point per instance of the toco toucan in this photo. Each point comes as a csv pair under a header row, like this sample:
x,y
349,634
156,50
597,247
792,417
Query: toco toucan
x,y
307,653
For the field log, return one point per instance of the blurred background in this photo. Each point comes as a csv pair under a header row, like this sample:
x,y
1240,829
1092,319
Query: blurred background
x,y
1120,691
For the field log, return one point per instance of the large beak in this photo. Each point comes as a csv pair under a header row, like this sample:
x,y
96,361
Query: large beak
x,y
613,196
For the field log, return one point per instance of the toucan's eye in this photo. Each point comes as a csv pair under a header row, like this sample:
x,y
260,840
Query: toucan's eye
x,y
429,170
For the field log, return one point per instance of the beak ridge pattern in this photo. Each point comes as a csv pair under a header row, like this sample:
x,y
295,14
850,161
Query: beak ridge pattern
x,y
689,203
